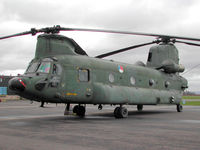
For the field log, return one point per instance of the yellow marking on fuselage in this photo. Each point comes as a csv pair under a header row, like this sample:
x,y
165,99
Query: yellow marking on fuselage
x,y
71,94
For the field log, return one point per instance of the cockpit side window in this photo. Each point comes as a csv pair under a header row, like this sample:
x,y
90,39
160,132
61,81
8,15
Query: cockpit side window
x,y
44,67
57,69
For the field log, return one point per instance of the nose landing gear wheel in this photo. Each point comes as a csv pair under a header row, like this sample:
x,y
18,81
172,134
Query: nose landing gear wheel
x,y
121,112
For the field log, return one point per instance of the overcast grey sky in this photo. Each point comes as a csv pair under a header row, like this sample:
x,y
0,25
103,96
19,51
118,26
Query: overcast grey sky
x,y
172,17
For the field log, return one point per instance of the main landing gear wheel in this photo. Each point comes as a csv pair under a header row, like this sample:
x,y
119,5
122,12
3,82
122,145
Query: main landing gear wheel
x,y
75,109
139,107
179,108
79,110
121,112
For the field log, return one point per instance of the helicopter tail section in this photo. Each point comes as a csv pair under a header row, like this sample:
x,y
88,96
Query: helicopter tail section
x,y
49,45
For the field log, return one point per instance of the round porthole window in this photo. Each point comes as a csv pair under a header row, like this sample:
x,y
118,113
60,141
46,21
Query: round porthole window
x,y
151,82
167,84
111,78
132,80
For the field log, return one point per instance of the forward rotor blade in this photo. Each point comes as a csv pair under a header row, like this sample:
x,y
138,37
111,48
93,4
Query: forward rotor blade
x,y
124,49
188,43
33,31
130,33
56,29
14,35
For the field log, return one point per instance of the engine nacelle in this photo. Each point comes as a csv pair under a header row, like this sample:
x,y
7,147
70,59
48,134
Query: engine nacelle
x,y
171,67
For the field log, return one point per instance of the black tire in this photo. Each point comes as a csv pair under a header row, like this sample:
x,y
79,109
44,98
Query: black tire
x,y
139,107
116,112
75,109
179,108
81,111
121,112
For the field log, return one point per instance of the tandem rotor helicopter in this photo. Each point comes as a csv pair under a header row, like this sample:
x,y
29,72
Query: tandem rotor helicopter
x,y
62,72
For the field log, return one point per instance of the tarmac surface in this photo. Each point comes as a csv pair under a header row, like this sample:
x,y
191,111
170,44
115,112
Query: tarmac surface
x,y
25,126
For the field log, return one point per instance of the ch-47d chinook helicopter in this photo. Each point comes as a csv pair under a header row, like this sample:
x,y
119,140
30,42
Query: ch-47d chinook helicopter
x,y
62,72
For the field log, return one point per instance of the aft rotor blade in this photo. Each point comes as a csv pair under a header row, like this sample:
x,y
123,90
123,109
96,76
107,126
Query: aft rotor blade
x,y
188,43
130,33
124,49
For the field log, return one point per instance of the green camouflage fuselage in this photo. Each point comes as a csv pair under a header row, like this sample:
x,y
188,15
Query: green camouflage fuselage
x,y
76,78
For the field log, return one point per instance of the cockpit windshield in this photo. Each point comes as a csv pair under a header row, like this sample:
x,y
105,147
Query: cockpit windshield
x,y
32,67
43,67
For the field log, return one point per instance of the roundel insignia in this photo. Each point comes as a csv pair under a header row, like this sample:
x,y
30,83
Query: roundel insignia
x,y
121,69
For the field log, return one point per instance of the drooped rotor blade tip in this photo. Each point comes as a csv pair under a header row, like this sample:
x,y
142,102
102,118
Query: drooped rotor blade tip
x,y
188,43
34,31
15,35
124,49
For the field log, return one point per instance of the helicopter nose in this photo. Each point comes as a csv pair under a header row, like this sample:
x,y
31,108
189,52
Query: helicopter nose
x,y
17,84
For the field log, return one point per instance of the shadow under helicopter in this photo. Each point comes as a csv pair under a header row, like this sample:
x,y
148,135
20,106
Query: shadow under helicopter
x,y
131,114
109,116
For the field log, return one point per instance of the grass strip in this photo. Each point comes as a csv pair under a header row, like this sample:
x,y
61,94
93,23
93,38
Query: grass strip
x,y
191,97
191,103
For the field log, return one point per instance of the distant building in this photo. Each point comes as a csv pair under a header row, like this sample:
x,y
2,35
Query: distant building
x,y
4,90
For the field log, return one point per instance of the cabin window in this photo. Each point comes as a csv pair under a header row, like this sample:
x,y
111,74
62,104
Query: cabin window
x,y
149,57
167,84
83,75
132,80
111,78
44,67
